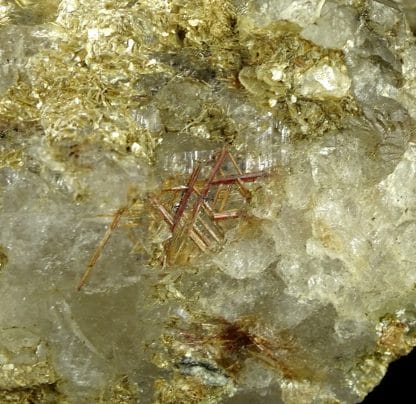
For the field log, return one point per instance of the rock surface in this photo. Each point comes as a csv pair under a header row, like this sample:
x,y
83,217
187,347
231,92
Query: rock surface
x,y
291,279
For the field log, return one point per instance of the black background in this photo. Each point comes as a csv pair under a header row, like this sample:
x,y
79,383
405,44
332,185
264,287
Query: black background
x,y
398,385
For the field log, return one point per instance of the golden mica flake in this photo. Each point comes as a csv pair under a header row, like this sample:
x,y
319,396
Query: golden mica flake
x,y
11,158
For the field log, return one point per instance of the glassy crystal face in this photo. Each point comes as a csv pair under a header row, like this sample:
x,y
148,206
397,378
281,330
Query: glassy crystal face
x,y
205,201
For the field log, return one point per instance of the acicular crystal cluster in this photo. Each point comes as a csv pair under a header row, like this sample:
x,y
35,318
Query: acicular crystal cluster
x,y
236,177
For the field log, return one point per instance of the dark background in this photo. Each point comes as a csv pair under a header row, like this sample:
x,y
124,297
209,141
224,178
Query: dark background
x,y
398,385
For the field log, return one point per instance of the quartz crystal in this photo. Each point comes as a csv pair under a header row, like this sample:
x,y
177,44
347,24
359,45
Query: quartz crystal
x,y
206,201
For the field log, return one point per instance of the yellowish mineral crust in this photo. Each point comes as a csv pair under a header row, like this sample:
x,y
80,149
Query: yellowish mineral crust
x,y
205,201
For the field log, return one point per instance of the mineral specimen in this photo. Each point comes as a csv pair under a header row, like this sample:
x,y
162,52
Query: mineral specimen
x,y
235,181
